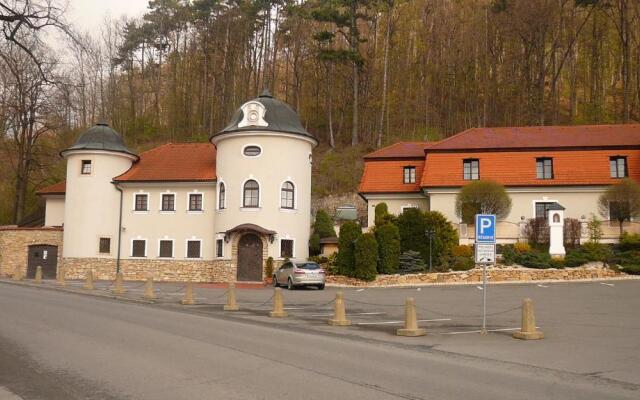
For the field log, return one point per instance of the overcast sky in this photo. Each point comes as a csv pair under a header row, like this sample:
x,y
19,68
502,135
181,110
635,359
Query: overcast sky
x,y
87,14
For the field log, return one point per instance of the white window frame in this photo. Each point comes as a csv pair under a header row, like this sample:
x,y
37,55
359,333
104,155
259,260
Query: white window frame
x,y
293,248
175,203
189,211
146,248
260,195
133,206
91,163
251,145
110,245
295,196
216,248
226,195
186,248
415,174
173,248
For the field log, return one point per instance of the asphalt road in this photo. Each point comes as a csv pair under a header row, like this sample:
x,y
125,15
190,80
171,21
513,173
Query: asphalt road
x,y
56,345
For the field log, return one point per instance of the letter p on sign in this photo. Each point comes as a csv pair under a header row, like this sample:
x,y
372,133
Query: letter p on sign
x,y
485,228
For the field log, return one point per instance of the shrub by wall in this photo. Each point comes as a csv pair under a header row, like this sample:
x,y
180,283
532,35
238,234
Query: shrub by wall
x,y
366,257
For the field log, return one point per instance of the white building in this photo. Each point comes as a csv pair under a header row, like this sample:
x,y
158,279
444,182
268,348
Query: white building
x,y
203,211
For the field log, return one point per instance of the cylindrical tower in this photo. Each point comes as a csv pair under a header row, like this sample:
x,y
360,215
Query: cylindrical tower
x,y
263,169
91,200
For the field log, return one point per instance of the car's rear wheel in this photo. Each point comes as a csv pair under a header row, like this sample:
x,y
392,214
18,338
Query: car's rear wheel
x,y
321,287
290,284
275,281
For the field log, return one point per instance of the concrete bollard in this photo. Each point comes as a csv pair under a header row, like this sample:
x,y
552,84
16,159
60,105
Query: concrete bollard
x,y
17,274
60,277
410,321
89,281
188,299
118,285
278,305
38,278
231,305
528,331
339,314
149,294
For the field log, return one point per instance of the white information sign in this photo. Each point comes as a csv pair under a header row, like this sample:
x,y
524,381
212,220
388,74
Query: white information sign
x,y
485,253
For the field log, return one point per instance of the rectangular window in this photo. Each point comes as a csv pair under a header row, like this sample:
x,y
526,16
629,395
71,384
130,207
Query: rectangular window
x,y
219,247
471,169
166,249
86,167
193,249
105,245
409,175
544,168
139,248
168,202
618,166
195,202
542,209
141,202
286,248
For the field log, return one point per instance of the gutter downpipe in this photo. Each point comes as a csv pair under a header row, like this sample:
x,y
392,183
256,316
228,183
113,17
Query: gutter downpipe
x,y
119,189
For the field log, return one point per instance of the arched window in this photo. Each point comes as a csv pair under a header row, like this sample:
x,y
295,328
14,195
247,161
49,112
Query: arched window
x,y
287,193
251,194
222,196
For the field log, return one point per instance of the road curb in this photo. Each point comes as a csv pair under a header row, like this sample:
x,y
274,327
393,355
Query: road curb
x,y
94,293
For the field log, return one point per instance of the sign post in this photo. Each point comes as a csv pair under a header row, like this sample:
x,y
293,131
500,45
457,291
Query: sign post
x,y
485,254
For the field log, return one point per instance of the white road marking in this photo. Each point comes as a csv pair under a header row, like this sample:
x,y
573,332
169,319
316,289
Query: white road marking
x,y
418,289
478,331
479,287
293,308
607,284
6,394
359,290
402,322
331,315
541,285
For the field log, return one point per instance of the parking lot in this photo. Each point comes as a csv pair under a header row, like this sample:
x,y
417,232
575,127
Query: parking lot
x,y
590,327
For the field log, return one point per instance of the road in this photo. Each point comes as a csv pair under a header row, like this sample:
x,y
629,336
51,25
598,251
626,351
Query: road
x,y
56,345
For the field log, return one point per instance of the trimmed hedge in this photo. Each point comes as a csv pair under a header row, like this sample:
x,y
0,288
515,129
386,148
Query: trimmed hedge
x,y
388,238
350,231
366,257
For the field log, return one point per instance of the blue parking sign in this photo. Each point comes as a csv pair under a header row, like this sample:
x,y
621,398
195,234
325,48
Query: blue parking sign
x,y
485,228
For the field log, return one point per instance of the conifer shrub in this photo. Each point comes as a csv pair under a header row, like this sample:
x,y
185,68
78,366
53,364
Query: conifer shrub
x,y
388,238
322,228
366,257
350,231
411,262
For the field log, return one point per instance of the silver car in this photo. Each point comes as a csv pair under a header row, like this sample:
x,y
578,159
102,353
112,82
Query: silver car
x,y
295,274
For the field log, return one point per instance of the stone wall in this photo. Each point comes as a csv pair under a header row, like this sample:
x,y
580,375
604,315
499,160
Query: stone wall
x,y
15,242
494,274
160,270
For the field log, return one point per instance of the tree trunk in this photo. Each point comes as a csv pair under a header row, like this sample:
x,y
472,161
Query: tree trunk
x,y
385,74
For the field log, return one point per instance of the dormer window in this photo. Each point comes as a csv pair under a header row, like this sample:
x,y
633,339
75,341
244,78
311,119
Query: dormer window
x,y
409,175
544,168
471,169
618,166
86,167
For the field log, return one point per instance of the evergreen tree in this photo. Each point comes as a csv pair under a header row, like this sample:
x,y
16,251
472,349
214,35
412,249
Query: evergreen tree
x,y
366,257
388,238
350,231
322,228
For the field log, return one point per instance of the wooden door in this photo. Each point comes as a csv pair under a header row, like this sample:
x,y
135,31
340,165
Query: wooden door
x,y
45,256
250,258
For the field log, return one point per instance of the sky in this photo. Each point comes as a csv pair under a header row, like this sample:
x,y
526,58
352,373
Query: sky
x,y
86,15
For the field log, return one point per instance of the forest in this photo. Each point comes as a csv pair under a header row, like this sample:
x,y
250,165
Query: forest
x,y
361,74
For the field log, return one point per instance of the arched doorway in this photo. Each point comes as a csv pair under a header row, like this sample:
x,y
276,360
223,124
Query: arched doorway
x,y
250,258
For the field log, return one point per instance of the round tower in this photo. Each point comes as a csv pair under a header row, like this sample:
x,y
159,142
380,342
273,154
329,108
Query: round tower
x,y
92,203
263,196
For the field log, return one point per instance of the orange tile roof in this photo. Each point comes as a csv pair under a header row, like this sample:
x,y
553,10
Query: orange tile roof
x,y
518,168
542,137
56,188
174,162
400,150
386,176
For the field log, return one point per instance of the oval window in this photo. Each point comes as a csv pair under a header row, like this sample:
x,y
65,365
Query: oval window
x,y
252,151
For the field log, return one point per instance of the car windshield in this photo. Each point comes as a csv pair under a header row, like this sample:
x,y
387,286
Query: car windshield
x,y
308,266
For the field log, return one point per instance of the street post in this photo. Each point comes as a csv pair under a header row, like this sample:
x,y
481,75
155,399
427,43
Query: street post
x,y
485,254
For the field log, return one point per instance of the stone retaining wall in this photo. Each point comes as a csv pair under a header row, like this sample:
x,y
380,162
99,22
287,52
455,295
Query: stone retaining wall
x,y
15,242
494,274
